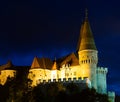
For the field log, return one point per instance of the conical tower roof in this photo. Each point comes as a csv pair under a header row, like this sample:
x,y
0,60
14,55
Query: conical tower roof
x,y
54,67
86,39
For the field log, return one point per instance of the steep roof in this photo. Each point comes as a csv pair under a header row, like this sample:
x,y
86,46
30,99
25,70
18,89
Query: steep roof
x,y
10,66
44,63
86,39
69,59
7,66
35,63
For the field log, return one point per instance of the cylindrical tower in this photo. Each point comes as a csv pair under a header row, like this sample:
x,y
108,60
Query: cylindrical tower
x,y
88,63
87,53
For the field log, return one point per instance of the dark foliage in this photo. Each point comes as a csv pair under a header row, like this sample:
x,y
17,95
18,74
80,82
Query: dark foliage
x,y
117,98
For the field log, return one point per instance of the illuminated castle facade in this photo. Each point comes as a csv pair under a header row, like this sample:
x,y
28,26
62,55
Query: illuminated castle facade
x,y
79,66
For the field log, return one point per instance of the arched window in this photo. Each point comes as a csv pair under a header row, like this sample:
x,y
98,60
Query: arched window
x,y
89,60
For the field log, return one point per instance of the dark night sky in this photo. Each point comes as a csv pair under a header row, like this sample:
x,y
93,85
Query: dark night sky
x,y
46,28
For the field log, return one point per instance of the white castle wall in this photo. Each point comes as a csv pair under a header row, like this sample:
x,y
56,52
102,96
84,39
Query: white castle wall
x,y
64,72
70,72
101,80
54,74
39,73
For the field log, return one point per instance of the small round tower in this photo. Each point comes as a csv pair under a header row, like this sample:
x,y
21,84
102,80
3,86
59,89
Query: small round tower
x,y
101,80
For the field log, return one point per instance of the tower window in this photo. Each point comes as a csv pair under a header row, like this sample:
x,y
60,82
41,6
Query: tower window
x,y
89,60
33,75
74,73
67,74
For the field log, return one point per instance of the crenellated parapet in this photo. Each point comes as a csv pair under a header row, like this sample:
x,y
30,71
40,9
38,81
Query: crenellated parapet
x,y
101,80
84,80
102,70
111,96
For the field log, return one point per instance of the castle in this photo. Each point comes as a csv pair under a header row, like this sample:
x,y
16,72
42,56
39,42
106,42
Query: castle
x,y
79,66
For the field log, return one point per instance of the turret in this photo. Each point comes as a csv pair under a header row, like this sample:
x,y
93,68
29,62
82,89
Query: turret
x,y
54,71
87,52
101,80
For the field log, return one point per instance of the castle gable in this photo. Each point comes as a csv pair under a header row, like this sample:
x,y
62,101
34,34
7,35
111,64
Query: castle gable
x,y
70,59
44,63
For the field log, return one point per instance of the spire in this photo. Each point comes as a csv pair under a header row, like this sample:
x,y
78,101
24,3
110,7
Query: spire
x,y
86,39
9,63
54,67
86,14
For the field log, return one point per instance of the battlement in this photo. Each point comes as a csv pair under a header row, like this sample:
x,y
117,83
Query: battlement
x,y
102,70
67,80
111,96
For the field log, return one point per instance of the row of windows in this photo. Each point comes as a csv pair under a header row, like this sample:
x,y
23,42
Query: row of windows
x,y
88,61
87,57
69,74
66,74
